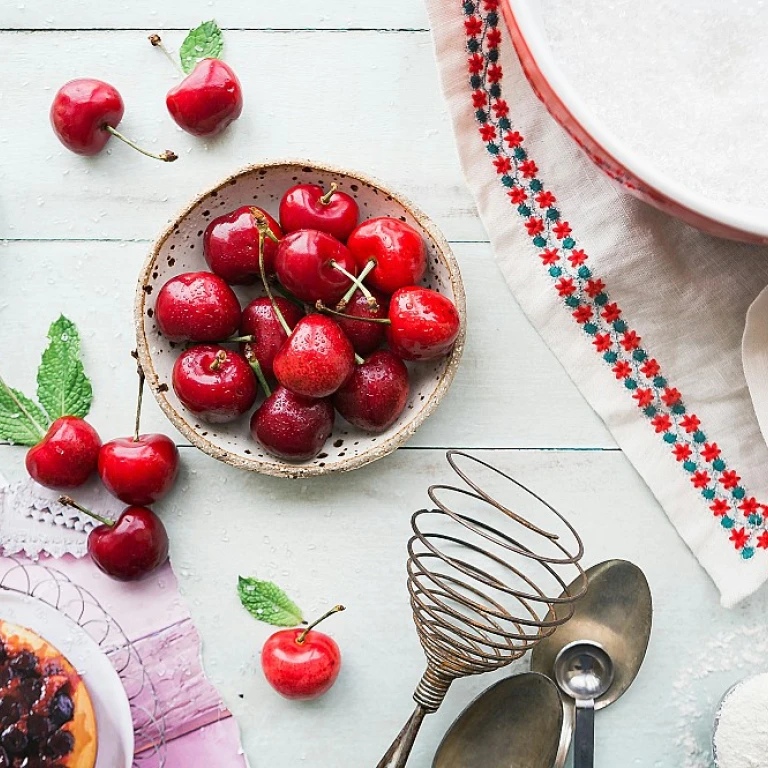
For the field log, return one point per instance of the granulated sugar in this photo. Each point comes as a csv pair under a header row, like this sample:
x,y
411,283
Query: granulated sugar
x,y
741,740
682,82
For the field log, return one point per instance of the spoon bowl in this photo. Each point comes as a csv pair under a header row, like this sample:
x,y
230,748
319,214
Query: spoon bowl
x,y
584,671
515,723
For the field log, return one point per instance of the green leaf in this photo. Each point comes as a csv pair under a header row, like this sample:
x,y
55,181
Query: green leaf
x,y
63,389
21,419
204,42
267,602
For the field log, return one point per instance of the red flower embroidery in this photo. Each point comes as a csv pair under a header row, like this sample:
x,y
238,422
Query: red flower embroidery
x,y
494,73
493,37
479,100
503,164
622,369
710,451
762,540
473,26
488,132
583,314
534,226
682,452
749,506
501,108
561,229
650,368
611,312
720,508
602,342
661,422
476,63
729,479
644,397
630,340
577,257
690,423
565,286
529,169
739,538
517,195
670,396
700,479
550,256
514,139
545,199
491,5
594,287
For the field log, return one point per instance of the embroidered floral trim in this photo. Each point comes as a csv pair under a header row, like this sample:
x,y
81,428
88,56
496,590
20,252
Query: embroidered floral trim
x,y
586,296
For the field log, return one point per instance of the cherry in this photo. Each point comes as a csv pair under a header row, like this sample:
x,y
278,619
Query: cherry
x,y
292,426
260,321
424,324
365,337
302,663
397,248
131,547
197,306
140,469
207,100
376,393
317,358
66,456
309,206
231,245
314,266
215,384
85,113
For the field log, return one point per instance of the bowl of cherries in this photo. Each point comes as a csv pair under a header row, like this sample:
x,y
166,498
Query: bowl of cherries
x,y
298,319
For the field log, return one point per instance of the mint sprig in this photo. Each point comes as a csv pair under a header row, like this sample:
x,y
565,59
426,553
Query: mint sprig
x,y
63,389
203,42
22,421
265,601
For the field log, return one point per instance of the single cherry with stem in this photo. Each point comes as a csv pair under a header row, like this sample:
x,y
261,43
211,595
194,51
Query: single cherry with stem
x,y
260,321
141,469
302,663
365,337
85,113
129,548
309,206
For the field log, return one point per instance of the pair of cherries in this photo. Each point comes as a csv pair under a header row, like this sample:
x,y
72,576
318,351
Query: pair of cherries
x,y
138,470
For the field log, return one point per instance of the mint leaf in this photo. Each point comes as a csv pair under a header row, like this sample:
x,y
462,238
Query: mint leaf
x,y
204,42
267,602
63,389
21,420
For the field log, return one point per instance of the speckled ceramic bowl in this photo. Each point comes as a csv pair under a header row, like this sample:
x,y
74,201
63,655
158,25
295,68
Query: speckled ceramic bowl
x,y
180,249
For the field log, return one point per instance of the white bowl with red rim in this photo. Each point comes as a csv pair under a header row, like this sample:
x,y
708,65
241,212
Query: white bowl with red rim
x,y
608,152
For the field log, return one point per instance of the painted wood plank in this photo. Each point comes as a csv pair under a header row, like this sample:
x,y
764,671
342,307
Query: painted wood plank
x,y
362,100
510,390
299,14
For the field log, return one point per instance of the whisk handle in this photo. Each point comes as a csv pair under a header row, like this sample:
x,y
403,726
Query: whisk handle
x,y
397,754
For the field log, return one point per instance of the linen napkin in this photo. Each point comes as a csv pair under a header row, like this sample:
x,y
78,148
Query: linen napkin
x,y
646,314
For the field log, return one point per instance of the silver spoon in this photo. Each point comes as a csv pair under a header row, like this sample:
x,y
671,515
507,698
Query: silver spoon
x,y
515,723
584,671
617,613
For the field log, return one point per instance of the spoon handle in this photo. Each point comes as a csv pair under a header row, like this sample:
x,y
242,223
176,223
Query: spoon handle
x,y
584,735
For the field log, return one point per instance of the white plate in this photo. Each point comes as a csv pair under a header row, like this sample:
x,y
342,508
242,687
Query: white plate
x,y
110,702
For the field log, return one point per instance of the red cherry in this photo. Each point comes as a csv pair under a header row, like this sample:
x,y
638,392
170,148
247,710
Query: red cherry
x,y
317,358
365,337
66,456
301,663
376,393
207,100
139,471
424,324
86,112
291,426
231,246
304,265
259,320
129,548
214,383
309,206
197,306
399,251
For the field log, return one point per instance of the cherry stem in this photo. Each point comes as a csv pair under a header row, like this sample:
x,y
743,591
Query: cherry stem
x,y
359,360
326,198
158,43
139,400
264,231
358,283
70,502
221,356
166,157
372,303
238,339
303,636
256,368
320,307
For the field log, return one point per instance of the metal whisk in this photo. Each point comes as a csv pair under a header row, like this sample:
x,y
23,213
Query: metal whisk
x,y
480,594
